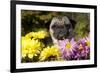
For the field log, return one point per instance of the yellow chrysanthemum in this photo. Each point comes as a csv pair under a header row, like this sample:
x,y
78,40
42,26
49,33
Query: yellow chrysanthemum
x,y
30,35
25,45
30,47
25,42
37,35
49,52
41,34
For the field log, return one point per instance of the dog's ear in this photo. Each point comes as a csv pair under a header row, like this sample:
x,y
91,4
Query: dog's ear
x,y
73,22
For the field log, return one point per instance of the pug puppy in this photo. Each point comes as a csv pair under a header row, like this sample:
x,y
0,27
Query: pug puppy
x,y
61,27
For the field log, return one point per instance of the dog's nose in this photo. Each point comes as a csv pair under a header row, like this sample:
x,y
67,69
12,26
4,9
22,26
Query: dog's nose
x,y
61,37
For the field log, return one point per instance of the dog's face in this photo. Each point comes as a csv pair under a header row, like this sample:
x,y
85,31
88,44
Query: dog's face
x,y
61,28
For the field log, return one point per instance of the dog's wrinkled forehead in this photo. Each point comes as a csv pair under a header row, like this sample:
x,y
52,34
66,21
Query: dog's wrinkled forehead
x,y
61,20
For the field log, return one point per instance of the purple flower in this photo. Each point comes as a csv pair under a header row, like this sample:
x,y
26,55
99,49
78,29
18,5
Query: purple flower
x,y
87,45
67,48
83,48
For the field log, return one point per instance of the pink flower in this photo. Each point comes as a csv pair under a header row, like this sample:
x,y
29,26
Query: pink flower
x,y
67,48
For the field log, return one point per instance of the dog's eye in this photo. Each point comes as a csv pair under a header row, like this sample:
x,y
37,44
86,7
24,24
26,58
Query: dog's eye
x,y
67,26
54,26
